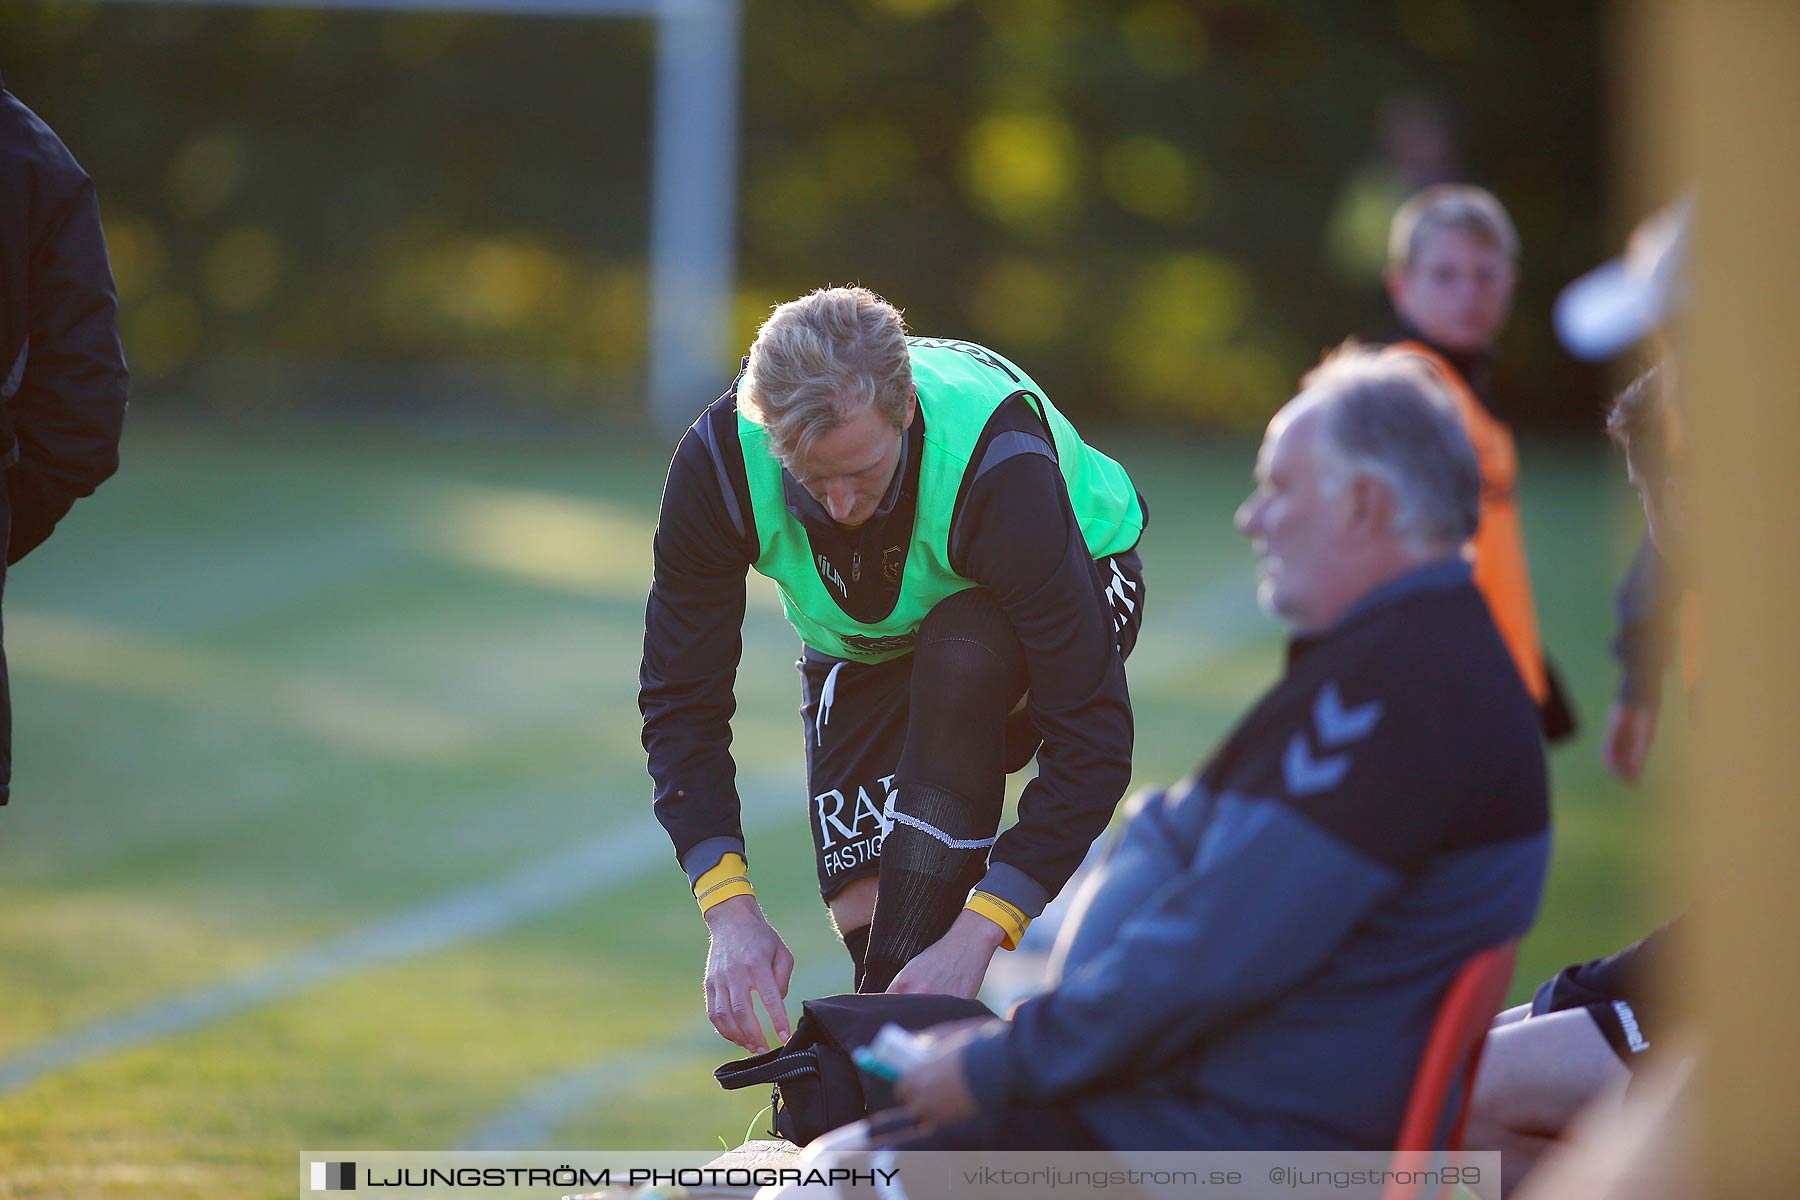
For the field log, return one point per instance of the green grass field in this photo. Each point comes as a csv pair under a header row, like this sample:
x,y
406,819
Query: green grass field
x,y
274,689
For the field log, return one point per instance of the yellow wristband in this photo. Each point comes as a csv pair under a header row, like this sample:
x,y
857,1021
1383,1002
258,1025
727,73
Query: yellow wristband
x,y
723,882
1011,921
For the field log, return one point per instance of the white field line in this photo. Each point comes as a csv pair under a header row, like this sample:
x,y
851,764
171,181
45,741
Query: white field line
x,y
531,1122
603,863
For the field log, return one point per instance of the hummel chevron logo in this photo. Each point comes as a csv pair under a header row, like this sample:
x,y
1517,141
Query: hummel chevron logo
x,y
1339,726
1305,774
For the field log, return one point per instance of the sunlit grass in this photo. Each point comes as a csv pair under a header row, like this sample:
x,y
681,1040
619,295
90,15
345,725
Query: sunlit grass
x,y
271,688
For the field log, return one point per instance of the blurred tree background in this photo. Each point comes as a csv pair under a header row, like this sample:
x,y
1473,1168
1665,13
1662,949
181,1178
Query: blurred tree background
x,y
1164,209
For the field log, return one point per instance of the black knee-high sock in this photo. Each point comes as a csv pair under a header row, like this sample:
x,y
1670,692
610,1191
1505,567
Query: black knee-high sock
x,y
856,941
968,671
926,874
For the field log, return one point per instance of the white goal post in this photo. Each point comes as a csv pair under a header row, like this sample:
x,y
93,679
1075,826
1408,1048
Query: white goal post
x,y
693,191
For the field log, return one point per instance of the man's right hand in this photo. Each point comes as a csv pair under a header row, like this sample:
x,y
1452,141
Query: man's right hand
x,y
746,956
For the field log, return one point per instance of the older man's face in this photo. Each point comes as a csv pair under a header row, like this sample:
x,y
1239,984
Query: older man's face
x,y
1296,527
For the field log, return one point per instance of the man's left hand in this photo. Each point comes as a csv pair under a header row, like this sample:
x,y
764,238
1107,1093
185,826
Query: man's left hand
x,y
954,964
1630,728
936,1091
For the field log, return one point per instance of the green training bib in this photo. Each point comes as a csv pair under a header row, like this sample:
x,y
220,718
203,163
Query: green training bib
x,y
960,386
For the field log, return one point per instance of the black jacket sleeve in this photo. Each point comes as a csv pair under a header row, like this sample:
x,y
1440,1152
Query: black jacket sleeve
x,y
1018,536
693,638
65,380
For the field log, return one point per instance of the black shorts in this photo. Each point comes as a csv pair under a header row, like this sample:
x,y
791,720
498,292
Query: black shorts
x,y
854,725
1621,992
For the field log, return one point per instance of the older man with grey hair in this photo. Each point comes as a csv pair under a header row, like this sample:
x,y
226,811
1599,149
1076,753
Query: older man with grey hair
x,y
1256,963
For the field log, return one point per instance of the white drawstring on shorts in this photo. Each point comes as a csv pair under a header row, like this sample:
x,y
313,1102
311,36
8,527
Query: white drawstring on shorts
x,y
827,694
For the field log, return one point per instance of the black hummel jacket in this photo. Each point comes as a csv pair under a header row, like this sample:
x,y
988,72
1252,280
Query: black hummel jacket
x,y
62,371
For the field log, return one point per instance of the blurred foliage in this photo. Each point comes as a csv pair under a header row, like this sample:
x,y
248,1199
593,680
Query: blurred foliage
x,y
1135,199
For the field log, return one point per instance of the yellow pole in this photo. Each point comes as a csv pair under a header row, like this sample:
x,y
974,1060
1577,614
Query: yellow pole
x,y
1718,97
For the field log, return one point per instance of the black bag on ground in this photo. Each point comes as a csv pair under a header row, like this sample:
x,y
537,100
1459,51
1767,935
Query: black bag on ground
x,y
818,1086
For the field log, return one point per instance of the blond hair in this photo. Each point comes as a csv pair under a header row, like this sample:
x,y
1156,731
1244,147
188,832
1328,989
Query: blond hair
x,y
1459,206
821,360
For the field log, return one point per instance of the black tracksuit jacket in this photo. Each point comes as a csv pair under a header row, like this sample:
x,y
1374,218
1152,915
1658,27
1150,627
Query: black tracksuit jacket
x,y
62,370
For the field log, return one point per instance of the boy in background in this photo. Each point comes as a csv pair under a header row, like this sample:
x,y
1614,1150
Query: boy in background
x,y
1452,267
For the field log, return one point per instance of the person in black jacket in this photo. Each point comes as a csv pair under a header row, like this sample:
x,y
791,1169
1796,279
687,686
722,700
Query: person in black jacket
x,y
963,573
62,390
